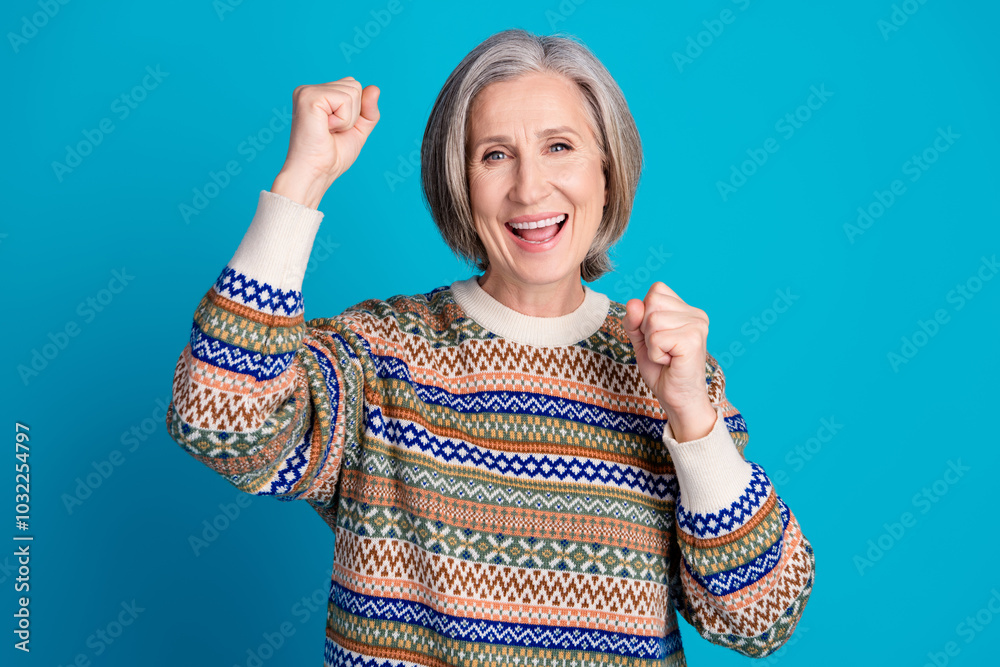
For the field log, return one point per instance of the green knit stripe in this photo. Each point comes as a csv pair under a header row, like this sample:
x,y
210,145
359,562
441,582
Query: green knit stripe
x,y
768,642
506,545
738,551
246,333
391,638
541,433
456,482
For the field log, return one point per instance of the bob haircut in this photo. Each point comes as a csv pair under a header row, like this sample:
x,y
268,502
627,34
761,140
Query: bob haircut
x,y
507,55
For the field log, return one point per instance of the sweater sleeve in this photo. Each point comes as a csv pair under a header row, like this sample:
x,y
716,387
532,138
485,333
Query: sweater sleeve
x,y
260,396
745,569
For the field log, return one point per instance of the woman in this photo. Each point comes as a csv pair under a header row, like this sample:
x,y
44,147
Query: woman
x,y
516,468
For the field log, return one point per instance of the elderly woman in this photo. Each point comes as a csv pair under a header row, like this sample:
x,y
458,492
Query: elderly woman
x,y
516,469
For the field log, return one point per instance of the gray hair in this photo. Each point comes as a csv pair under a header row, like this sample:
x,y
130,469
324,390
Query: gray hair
x,y
501,57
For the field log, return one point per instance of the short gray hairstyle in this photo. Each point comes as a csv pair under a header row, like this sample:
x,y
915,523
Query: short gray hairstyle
x,y
507,55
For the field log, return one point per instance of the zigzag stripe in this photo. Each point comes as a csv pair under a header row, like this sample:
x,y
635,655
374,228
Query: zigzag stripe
x,y
335,655
472,529
398,563
258,294
235,359
724,583
497,632
541,467
751,611
295,465
732,517
529,494
524,403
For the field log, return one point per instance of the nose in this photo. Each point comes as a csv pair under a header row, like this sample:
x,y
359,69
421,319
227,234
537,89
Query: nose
x,y
531,181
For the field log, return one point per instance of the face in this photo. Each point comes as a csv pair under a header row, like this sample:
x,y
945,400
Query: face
x,y
536,181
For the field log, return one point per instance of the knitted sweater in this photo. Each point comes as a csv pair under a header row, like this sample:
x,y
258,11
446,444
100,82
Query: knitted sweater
x,y
503,489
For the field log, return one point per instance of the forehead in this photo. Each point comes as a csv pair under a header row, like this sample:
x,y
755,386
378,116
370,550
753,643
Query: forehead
x,y
533,100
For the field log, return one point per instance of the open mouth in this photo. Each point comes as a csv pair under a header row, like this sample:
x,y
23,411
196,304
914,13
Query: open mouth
x,y
538,232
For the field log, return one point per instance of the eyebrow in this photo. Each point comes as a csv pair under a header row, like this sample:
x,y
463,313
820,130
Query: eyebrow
x,y
541,134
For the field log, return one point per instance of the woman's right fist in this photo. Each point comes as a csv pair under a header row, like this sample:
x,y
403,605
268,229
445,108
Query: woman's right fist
x,y
330,123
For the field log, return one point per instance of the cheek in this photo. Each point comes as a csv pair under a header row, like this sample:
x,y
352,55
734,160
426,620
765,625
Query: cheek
x,y
583,191
582,182
485,193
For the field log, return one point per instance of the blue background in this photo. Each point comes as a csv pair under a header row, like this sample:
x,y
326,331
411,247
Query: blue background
x,y
854,299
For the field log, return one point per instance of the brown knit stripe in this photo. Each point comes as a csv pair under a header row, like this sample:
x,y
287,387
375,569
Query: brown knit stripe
x,y
535,434
569,594
514,521
374,638
528,484
500,357
739,534
710,560
252,314
211,399
753,609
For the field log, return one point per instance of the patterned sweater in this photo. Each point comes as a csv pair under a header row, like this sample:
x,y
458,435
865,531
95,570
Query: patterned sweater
x,y
503,489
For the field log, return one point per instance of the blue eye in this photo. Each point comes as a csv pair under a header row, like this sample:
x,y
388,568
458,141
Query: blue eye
x,y
487,156
566,146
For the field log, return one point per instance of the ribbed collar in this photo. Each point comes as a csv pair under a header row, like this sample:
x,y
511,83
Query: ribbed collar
x,y
527,329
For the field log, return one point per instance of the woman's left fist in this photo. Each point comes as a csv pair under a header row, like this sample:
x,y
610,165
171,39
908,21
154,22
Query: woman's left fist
x,y
670,342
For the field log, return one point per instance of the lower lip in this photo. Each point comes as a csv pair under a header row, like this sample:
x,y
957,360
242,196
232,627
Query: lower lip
x,y
528,246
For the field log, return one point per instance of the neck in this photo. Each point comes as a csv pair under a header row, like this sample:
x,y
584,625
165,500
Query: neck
x,y
538,300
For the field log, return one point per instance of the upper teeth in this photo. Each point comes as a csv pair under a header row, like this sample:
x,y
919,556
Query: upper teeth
x,y
538,223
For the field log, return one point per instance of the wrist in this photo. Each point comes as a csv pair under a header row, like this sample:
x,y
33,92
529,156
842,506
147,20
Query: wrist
x,y
692,423
306,189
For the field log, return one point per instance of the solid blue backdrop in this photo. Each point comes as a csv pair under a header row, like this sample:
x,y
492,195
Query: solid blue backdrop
x,y
819,178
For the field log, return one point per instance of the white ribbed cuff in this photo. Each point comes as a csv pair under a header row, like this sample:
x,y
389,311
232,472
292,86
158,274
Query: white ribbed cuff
x,y
275,248
711,473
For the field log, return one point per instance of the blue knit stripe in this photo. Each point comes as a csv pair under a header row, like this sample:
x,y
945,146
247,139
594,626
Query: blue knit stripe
x,y
524,403
730,581
529,467
237,359
258,294
466,629
730,518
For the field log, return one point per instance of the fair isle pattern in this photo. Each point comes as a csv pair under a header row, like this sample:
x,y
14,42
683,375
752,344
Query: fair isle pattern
x,y
491,502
